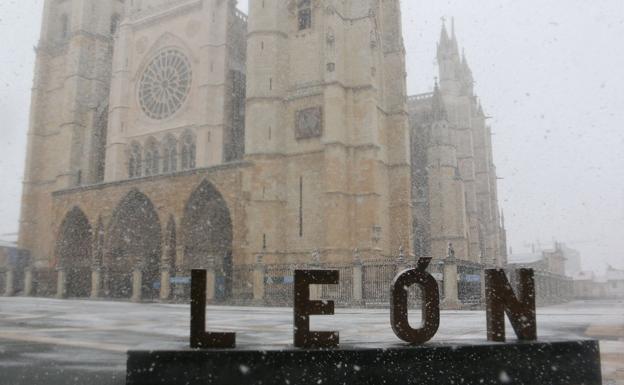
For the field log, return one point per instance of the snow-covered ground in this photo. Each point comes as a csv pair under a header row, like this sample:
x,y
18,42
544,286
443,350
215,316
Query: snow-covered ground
x,y
79,340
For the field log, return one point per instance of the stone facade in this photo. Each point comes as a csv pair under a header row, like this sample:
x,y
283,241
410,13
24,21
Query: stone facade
x,y
168,135
327,130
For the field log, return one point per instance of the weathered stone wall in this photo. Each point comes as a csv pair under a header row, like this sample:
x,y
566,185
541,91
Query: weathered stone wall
x,y
326,120
169,194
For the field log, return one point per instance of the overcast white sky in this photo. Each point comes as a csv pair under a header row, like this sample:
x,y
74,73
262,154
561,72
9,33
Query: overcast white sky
x,y
550,73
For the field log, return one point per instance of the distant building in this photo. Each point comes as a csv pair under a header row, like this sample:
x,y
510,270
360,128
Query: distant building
x,y
572,260
587,286
13,263
552,261
609,286
552,282
615,283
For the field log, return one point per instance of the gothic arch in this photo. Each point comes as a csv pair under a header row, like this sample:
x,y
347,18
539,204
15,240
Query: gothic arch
x,y
73,252
133,244
208,234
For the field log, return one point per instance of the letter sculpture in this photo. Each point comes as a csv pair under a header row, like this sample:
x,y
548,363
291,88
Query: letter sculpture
x,y
304,308
500,299
430,305
200,339
499,296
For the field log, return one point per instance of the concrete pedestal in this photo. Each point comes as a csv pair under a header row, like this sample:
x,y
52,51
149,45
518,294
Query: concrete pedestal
x,y
451,292
210,285
165,285
258,283
28,283
357,284
528,363
9,285
137,285
61,283
482,274
96,283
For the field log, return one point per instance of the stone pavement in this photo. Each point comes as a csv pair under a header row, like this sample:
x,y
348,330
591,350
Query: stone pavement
x,y
46,341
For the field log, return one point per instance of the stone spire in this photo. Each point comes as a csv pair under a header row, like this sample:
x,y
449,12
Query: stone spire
x,y
454,42
444,36
445,45
449,61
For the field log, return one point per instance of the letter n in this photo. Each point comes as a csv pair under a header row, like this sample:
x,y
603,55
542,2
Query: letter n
x,y
500,300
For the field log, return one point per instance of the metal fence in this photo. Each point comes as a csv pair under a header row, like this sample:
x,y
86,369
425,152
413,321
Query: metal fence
x,y
278,284
364,283
377,277
341,294
469,283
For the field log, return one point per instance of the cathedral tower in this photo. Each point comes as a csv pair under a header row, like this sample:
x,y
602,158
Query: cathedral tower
x,y
474,151
457,94
67,133
438,191
450,133
327,129
446,189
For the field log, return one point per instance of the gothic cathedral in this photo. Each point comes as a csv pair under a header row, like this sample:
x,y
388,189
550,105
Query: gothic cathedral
x,y
168,135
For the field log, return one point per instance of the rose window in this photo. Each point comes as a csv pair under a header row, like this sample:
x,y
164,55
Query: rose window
x,y
165,84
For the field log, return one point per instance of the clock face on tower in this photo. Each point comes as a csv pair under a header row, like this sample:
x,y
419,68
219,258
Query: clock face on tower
x,y
165,84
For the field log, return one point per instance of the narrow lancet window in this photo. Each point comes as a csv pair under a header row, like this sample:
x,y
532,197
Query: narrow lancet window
x,y
188,152
135,163
170,155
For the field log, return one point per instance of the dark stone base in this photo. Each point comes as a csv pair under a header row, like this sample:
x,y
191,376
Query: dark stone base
x,y
517,363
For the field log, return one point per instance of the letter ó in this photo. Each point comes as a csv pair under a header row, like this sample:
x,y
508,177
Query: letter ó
x,y
430,306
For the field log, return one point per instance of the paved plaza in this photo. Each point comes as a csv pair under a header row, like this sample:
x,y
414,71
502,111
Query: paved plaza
x,y
45,341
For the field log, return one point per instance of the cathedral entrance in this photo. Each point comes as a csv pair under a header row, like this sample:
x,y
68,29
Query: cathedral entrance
x,y
73,250
133,249
207,237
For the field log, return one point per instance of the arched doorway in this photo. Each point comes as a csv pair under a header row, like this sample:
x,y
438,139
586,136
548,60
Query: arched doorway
x,y
133,244
207,236
73,251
